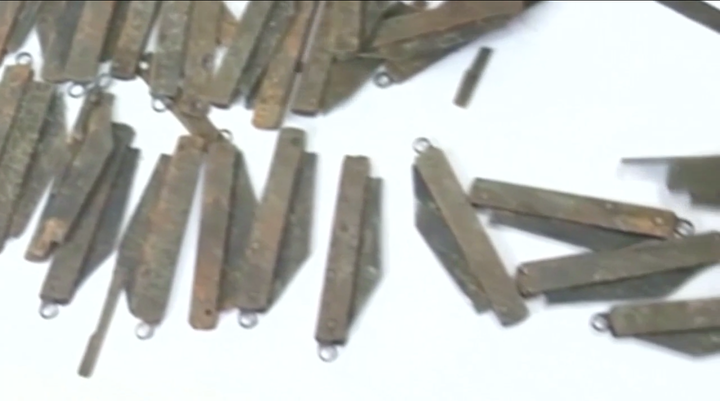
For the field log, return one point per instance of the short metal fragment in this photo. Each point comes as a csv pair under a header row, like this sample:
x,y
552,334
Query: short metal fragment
x,y
22,142
115,27
268,44
223,89
274,93
50,158
200,56
60,41
690,327
346,28
155,272
309,97
609,271
75,188
132,38
9,11
68,267
278,243
441,28
697,11
603,213
129,256
471,77
446,219
353,266
24,23
224,171
83,60
166,68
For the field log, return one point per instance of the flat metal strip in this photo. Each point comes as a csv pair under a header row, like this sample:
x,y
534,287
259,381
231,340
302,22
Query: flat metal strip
x,y
346,30
166,68
482,258
49,159
200,56
132,38
46,21
228,23
664,317
65,272
214,231
223,89
129,256
314,77
342,264
92,99
22,142
274,94
268,226
603,267
697,11
370,259
14,82
471,77
154,277
9,11
58,48
612,215
73,193
115,27
83,61
24,23
268,44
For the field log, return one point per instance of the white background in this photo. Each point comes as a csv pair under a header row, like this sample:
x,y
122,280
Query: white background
x,y
571,89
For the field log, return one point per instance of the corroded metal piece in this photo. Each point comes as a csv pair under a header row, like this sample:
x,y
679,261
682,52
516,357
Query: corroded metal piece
x,y
115,27
274,94
621,273
625,217
228,23
200,56
223,89
49,158
471,77
228,207
346,28
90,102
153,276
60,41
697,11
354,263
24,23
447,221
68,268
166,68
74,191
130,255
267,46
14,82
309,97
9,11
441,28
132,38
690,327
22,142
83,60
279,238
47,18
582,235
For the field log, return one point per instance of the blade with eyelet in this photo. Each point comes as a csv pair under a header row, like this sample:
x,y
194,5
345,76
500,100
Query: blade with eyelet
x,y
132,38
166,68
83,60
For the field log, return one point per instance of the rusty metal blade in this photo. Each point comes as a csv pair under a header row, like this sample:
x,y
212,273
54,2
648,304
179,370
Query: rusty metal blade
x,y
616,265
228,24
664,317
46,21
83,60
9,11
58,48
166,68
346,28
471,77
608,214
24,23
274,94
115,27
12,87
482,258
132,38
154,275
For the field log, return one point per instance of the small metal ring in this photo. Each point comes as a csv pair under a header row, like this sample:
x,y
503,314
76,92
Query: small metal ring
x,y
600,322
227,134
159,104
327,353
103,81
684,228
421,145
247,320
144,331
24,58
383,80
49,310
76,90
143,65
